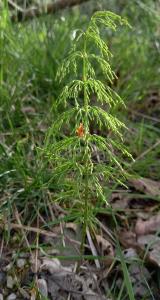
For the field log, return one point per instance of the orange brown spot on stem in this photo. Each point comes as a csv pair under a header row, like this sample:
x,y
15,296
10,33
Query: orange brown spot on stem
x,y
80,130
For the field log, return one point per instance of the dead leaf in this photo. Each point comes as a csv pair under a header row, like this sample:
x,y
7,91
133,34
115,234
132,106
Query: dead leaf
x,y
138,276
94,296
41,126
54,266
127,238
35,263
28,109
146,186
151,246
130,254
119,201
59,284
143,215
68,240
24,293
105,249
148,226
72,226
42,287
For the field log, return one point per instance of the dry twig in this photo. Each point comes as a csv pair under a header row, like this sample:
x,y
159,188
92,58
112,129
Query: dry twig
x,y
49,8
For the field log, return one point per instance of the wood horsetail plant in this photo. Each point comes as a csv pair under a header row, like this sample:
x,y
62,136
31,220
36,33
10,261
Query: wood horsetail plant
x,y
70,143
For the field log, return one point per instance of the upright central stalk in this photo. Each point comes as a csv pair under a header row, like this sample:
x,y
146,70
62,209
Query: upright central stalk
x,y
86,146
85,91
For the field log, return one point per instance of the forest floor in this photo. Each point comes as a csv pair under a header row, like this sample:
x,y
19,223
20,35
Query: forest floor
x,y
50,259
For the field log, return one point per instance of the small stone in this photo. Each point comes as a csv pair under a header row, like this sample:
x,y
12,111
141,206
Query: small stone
x,y
1,297
21,263
12,297
10,282
42,286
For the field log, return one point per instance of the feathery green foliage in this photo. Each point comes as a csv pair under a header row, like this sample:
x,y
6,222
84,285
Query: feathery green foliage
x,y
78,174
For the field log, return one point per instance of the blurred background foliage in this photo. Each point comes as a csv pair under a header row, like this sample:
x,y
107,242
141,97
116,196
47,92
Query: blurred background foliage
x,y
30,53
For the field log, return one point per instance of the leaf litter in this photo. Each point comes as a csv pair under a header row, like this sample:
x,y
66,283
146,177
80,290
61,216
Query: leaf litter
x,y
57,278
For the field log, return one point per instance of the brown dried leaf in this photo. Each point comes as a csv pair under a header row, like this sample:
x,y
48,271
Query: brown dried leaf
x,y
80,287
35,263
72,226
94,296
119,200
105,249
28,109
54,266
151,244
127,238
147,186
149,226
68,240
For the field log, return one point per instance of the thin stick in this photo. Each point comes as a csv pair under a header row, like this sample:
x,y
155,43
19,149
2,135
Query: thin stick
x,y
37,247
32,229
14,5
146,116
93,249
49,8
146,152
1,248
20,224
